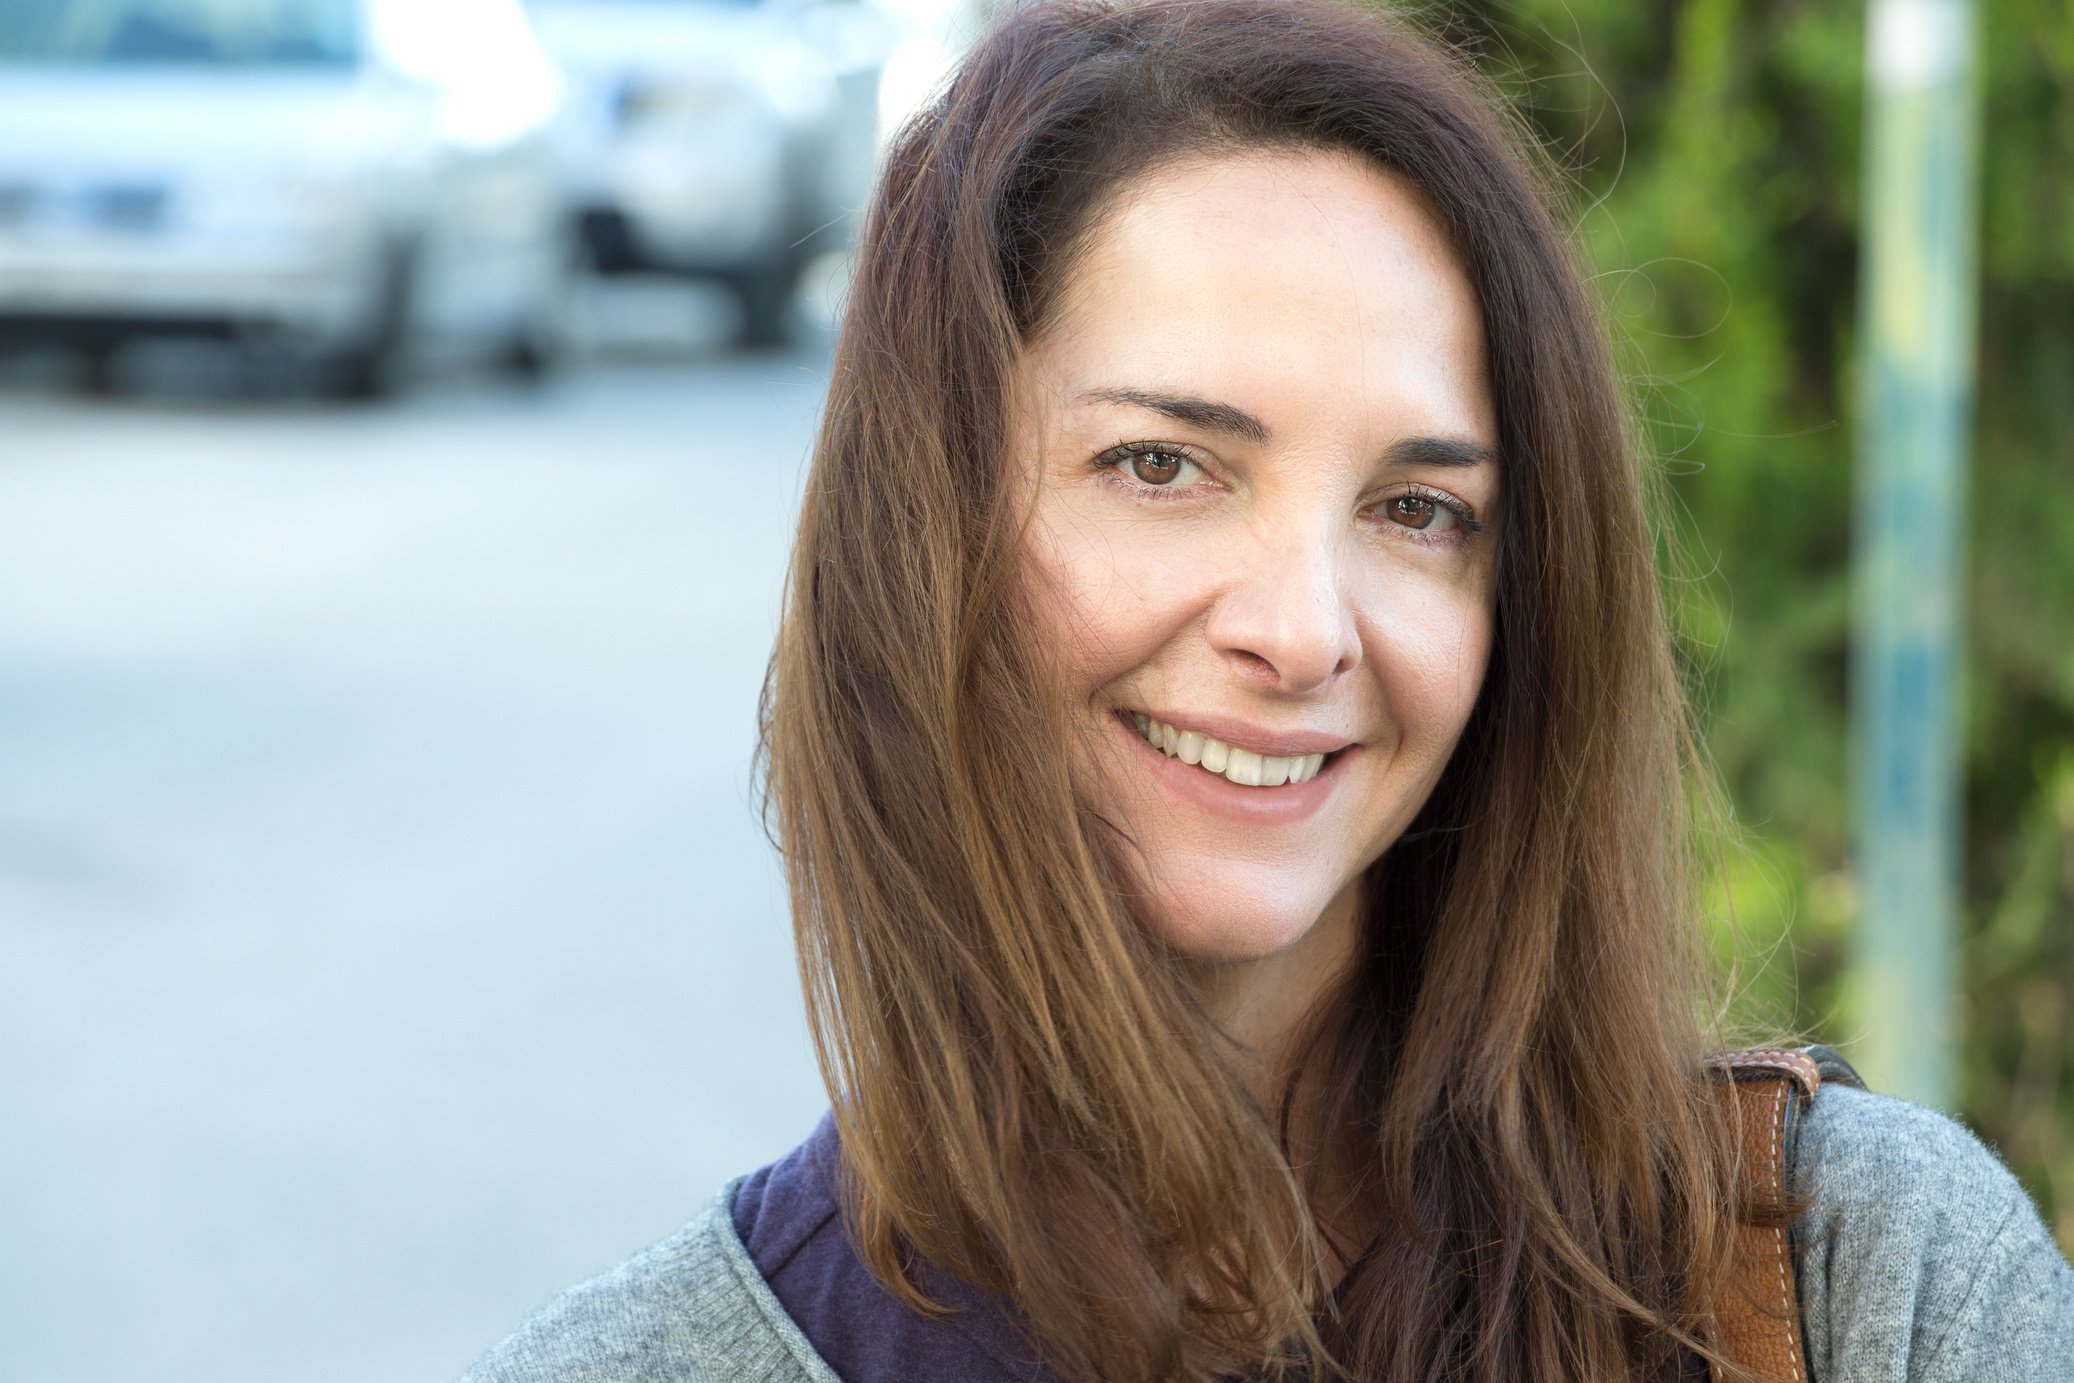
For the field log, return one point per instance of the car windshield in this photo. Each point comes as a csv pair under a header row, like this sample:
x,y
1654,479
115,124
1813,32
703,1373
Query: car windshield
x,y
185,33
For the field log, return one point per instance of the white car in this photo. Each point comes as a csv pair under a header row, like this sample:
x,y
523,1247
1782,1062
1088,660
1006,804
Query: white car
x,y
731,139
341,179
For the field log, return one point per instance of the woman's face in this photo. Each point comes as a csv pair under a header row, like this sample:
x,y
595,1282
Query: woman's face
x,y
1264,530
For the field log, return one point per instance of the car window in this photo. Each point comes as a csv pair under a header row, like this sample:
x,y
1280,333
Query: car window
x,y
182,32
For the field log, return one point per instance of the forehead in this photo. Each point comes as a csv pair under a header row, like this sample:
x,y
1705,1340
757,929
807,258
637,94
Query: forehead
x,y
1310,283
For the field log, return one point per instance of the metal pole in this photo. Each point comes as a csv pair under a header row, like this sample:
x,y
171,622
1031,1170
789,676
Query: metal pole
x,y
1917,323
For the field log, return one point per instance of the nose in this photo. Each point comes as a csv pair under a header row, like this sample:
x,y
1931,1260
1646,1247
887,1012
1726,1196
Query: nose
x,y
1284,614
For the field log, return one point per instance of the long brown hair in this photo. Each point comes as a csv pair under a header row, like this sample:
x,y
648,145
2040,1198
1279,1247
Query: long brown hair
x,y
1027,1094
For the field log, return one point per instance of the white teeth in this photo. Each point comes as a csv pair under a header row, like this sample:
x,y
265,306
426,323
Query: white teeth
x,y
1241,766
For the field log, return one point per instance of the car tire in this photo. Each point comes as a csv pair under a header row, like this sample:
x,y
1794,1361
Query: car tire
x,y
98,373
529,358
538,345
766,292
370,368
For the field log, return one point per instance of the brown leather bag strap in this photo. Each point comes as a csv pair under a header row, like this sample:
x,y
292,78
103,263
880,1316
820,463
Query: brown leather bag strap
x,y
1757,1322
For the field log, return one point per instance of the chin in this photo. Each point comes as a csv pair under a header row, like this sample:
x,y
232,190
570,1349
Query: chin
x,y
1217,919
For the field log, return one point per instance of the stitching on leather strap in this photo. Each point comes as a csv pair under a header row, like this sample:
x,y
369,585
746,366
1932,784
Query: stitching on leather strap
x,y
1757,1325
1792,1060
1786,1304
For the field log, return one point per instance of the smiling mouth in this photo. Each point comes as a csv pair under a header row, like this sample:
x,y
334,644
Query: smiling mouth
x,y
1213,756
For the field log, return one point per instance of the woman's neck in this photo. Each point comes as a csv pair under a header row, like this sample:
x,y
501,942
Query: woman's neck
x,y
1265,1007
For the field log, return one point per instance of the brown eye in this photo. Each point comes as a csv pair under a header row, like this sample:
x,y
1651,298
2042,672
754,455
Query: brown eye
x,y
1143,467
1155,467
1421,514
1412,511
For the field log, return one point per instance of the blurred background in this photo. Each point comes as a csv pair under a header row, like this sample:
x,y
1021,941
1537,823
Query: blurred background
x,y
1718,153
403,404
402,408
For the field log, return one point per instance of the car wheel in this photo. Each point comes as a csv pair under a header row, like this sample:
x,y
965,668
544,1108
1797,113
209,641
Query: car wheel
x,y
766,291
97,377
539,345
371,367
362,374
529,358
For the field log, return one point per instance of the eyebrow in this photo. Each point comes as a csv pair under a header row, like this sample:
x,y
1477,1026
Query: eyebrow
x,y
1237,422
1439,451
1185,408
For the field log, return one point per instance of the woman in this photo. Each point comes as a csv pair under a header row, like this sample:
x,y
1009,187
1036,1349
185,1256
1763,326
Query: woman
x,y
1230,764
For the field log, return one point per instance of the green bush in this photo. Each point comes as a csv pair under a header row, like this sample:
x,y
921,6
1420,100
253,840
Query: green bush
x,y
1713,146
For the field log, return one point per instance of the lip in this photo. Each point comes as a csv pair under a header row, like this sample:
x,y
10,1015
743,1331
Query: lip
x,y
1286,805
1238,734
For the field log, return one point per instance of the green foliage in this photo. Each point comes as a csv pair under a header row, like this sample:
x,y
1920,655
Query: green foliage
x,y
1713,147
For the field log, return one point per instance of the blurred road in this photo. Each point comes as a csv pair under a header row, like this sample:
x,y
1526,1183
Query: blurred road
x,y
386,936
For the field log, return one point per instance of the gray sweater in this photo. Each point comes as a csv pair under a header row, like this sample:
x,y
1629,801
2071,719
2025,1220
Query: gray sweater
x,y
1921,1261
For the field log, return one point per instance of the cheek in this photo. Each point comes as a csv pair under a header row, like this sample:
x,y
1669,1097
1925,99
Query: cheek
x,y
1105,599
1429,643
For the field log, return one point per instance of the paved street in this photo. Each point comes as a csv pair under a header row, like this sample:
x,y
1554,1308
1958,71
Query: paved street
x,y
386,935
